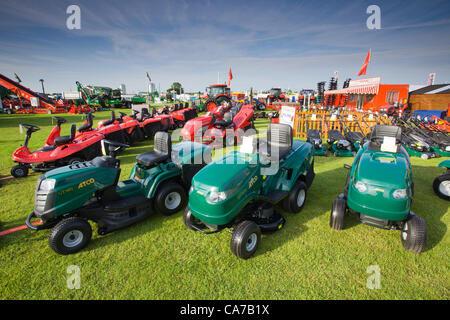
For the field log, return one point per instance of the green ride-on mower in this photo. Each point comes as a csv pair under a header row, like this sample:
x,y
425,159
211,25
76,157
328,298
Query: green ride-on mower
x,y
67,197
240,189
441,185
379,189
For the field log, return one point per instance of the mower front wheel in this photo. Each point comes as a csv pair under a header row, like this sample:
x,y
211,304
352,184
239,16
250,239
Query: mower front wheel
x,y
170,198
338,213
441,186
414,234
19,171
70,235
191,222
296,199
245,239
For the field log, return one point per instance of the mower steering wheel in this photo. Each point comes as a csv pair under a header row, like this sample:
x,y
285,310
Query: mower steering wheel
x,y
30,127
59,119
116,144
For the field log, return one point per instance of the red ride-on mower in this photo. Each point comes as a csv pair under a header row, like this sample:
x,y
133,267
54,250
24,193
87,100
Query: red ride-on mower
x,y
107,128
195,128
182,115
128,125
230,130
64,150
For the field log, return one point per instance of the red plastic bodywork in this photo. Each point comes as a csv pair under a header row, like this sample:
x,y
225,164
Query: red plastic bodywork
x,y
24,155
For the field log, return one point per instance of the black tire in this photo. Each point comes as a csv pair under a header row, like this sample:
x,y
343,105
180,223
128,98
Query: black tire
x,y
414,234
296,199
261,106
245,239
74,160
438,182
19,171
170,198
70,235
338,213
221,99
190,221
230,140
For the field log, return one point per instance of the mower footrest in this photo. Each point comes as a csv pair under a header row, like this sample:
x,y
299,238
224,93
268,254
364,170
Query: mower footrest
x,y
274,197
125,203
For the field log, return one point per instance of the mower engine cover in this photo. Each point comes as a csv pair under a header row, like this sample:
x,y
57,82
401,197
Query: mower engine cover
x,y
62,190
381,184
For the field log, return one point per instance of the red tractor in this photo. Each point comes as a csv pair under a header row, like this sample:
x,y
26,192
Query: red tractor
x,y
275,94
215,95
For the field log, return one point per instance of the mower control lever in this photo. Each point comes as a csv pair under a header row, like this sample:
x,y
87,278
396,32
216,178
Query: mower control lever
x,y
347,166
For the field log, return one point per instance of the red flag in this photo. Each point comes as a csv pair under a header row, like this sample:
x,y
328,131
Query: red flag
x,y
364,66
230,76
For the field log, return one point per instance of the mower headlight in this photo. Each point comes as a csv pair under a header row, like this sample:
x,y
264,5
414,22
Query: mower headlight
x,y
215,197
400,194
447,148
47,184
360,186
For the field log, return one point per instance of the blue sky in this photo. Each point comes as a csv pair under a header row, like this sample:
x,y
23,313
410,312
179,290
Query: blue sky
x,y
290,44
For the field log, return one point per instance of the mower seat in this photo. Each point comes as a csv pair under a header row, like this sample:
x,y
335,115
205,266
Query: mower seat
x,y
279,141
226,122
144,114
379,132
66,139
160,153
88,125
110,121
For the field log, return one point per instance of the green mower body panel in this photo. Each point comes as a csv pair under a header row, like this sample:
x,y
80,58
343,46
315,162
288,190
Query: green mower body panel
x,y
340,153
378,175
74,186
445,164
239,178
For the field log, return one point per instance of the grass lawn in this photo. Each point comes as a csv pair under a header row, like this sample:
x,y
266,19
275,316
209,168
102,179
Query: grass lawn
x,y
160,259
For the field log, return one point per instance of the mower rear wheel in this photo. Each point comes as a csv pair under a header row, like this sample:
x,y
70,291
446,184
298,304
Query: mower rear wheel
x,y
191,222
338,213
414,234
170,198
245,239
441,186
19,171
296,199
70,235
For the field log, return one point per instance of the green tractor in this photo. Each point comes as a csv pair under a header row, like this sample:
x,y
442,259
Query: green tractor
x,y
441,185
67,197
379,189
240,189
